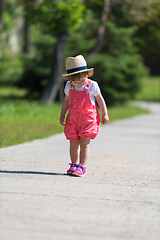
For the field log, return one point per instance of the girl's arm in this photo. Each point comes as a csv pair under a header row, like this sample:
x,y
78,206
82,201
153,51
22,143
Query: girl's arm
x,y
64,109
102,105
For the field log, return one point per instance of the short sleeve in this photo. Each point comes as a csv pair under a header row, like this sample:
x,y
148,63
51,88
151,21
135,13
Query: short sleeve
x,y
95,88
67,88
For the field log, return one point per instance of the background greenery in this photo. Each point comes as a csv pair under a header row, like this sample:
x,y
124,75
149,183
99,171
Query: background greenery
x,y
150,90
129,51
23,120
125,59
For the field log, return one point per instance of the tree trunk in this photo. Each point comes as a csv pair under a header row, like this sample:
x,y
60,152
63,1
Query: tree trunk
x,y
1,7
55,85
55,82
1,25
101,30
25,27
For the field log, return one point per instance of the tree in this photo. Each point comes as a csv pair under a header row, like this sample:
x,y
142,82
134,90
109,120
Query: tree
x,y
118,66
58,18
62,18
101,30
148,41
1,19
83,26
25,26
10,28
129,11
1,24
145,15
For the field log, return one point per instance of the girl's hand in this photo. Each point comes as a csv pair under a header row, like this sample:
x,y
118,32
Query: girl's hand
x,y
103,107
64,110
62,117
105,119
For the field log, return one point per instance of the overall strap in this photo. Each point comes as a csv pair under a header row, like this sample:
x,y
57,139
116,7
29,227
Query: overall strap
x,y
71,86
86,87
89,82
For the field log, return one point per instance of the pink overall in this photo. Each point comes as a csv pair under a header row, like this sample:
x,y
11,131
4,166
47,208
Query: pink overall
x,y
83,119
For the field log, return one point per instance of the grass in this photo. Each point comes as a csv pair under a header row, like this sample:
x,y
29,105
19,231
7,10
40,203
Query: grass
x,y
12,92
125,111
150,89
22,120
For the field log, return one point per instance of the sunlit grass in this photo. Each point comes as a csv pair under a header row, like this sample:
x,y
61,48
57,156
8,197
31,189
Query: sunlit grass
x,y
150,89
22,120
125,111
12,92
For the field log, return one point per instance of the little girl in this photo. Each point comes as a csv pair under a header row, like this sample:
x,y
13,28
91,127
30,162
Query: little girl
x,y
83,121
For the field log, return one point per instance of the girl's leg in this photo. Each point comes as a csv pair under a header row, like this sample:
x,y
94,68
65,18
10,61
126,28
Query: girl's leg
x,y
74,151
84,150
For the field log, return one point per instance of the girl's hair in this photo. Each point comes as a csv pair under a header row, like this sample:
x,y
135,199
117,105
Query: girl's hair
x,y
78,76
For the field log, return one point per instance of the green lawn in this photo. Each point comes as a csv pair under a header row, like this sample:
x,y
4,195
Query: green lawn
x,y
22,120
150,89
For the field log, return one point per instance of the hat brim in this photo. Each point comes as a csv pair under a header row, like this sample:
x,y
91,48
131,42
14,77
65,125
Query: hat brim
x,y
64,75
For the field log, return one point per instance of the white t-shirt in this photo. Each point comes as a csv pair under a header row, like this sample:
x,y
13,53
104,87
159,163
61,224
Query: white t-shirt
x,y
94,90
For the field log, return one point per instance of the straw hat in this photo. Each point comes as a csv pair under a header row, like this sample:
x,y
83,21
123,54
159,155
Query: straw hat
x,y
76,65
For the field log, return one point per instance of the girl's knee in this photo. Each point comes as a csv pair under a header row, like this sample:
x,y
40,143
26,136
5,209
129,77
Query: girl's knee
x,y
84,142
74,143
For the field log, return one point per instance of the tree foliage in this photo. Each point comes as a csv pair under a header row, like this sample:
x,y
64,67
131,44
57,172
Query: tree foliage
x,y
130,38
148,41
118,66
58,16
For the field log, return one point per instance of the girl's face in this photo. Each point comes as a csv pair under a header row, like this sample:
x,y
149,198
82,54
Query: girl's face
x,y
80,83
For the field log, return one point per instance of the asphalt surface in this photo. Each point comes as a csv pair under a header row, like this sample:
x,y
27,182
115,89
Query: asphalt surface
x,y
118,199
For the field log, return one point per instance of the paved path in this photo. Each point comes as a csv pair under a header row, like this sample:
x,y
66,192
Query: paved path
x,y
118,199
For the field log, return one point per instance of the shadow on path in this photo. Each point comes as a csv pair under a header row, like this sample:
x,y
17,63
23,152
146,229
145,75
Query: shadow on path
x,y
32,172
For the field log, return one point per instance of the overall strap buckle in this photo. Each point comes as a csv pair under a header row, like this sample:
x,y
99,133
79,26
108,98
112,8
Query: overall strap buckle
x,y
71,87
87,85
